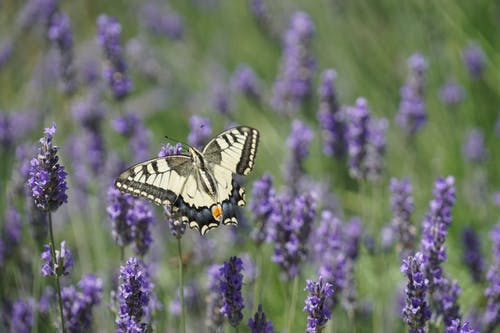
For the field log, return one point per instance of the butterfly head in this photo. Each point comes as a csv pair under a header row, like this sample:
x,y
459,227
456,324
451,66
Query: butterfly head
x,y
217,212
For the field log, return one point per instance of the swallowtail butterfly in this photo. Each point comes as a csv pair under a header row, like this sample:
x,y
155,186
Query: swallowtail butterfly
x,y
199,187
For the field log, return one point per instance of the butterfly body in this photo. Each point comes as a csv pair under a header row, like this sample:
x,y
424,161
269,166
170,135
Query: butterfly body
x,y
199,187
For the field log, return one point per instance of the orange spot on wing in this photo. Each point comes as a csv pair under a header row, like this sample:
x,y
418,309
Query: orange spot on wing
x,y
217,212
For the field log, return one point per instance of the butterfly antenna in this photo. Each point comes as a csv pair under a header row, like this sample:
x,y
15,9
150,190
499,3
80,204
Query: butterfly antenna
x,y
173,142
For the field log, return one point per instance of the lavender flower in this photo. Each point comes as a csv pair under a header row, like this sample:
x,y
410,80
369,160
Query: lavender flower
x,y
36,11
289,227
121,213
259,323
60,33
474,147
329,248
352,236
134,294
77,305
365,141
162,21
143,222
214,317
474,59
330,118
261,206
11,233
457,327
451,93
230,288
435,230
448,296
47,178
246,82
472,256
5,52
402,209
58,266
416,312
316,304
298,142
412,113
133,128
220,97
263,18
293,83
131,219
200,130
491,318
191,300
115,71
22,316
15,126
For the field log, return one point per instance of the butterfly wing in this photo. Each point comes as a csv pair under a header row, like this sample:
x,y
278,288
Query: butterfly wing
x,y
160,180
234,149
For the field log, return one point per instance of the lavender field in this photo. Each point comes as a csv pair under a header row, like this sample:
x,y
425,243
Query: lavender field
x,y
373,204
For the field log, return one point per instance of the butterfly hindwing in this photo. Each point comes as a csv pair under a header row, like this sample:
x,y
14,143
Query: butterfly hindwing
x,y
234,149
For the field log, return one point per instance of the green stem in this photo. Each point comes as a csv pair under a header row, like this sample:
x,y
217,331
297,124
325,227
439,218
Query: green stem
x,y
293,303
181,287
58,285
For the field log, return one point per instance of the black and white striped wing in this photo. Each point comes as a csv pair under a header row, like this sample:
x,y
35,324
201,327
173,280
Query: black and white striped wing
x,y
160,180
233,150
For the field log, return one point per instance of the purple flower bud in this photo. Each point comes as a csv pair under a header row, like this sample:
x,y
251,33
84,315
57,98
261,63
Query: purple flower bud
x,y
259,323
474,146
451,93
47,178
200,131
472,256
316,304
246,82
214,317
474,59
230,288
298,142
412,112
58,266
330,117
115,72
294,80
22,316
261,206
162,20
133,128
402,209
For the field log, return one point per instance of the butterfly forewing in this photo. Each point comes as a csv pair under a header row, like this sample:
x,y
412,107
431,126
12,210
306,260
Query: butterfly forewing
x,y
234,149
159,180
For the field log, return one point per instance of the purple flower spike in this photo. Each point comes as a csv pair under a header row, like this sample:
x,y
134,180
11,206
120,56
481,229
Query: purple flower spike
x,y
416,312
290,224
200,131
474,147
412,113
491,318
61,34
214,317
457,327
402,209
474,59
246,82
298,142
78,304
22,317
472,256
259,323
261,206
452,93
330,117
47,178
316,304
162,20
435,230
133,128
294,81
134,294
58,266
115,71
230,288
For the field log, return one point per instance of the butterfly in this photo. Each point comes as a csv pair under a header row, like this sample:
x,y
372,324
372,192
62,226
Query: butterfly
x,y
199,186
